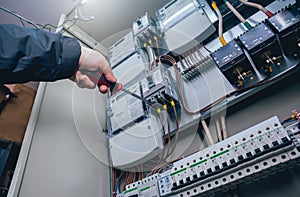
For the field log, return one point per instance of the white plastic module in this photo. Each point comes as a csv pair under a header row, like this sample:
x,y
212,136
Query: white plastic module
x,y
128,71
136,144
121,50
126,110
185,24
145,187
142,23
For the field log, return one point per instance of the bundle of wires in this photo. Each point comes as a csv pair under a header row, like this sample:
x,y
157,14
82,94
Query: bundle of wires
x,y
238,15
293,118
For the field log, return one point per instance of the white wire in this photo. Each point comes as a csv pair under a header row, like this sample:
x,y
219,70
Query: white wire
x,y
255,5
81,16
218,127
207,133
220,22
235,12
224,129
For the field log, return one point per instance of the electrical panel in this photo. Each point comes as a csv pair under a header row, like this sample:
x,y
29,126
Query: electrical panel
x,y
184,24
183,77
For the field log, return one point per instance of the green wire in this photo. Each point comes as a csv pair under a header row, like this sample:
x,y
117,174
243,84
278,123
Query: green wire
x,y
249,27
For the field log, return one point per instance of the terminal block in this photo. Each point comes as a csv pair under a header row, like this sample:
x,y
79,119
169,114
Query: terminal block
x,y
287,24
234,64
148,36
157,86
263,47
194,62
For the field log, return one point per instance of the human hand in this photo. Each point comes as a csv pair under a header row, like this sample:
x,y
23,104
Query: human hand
x,y
91,60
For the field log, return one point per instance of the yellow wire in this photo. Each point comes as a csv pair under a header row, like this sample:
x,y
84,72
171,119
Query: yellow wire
x,y
222,40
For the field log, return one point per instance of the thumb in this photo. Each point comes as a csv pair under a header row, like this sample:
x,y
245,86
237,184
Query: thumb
x,y
109,75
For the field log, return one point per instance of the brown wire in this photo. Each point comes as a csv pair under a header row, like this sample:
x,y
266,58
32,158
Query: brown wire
x,y
169,131
114,184
177,132
163,127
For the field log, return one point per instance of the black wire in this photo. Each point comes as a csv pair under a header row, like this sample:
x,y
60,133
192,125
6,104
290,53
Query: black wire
x,y
19,16
288,120
53,26
22,22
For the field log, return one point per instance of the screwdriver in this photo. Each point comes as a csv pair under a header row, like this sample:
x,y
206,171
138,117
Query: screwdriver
x,y
115,87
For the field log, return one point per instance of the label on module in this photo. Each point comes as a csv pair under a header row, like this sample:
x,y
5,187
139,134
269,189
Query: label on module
x,y
145,85
157,77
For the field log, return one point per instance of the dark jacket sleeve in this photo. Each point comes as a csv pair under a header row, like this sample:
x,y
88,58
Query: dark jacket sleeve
x,y
28,54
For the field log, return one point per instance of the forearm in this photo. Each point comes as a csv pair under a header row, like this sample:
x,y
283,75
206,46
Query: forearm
x,y
35,55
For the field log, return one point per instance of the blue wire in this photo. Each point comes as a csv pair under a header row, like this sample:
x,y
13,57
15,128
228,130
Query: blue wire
x,y
288,121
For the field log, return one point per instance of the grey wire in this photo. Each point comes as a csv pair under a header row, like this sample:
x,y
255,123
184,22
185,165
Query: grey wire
x,y
20,17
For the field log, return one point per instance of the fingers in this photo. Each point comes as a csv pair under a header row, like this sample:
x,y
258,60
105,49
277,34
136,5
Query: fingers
x,y
103,89
93,61
106,70
83,81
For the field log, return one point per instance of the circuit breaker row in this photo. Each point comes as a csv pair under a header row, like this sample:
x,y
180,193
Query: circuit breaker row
x,y
262,147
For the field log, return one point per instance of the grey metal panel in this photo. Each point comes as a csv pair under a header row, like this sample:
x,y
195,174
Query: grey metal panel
x,y
59,164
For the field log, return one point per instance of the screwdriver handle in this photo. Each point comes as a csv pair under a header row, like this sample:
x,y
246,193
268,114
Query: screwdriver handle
x,y
99,79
